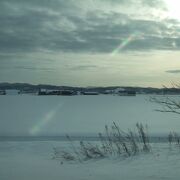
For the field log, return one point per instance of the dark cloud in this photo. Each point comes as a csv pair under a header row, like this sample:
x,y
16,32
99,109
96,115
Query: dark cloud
x,y
176,71
29,68
148,3
33,68
84,67
68,26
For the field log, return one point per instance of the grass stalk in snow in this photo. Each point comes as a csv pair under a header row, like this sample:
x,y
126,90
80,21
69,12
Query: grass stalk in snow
x,y
113,142
173,137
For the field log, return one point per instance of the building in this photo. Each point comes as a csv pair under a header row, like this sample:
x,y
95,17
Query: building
x,y
56,92
124,92
2,92
90,93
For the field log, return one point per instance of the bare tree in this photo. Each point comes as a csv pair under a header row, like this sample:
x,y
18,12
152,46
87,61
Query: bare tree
x,y
168,104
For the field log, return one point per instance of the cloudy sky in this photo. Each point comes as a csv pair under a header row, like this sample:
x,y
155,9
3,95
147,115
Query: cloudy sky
x,y
90,42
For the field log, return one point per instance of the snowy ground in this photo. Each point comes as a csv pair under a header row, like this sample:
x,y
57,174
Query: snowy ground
x,y
33,160
51,115
39,115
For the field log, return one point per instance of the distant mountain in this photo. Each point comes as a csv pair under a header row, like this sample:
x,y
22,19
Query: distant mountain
x,y
23,86
140,90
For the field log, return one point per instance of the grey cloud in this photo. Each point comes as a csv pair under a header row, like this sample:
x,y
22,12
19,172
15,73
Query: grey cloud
x,y
154,3
28,68
177,71
150,3
33,68
29,26
83,67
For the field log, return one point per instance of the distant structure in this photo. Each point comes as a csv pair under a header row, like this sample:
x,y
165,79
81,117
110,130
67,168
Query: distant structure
x,y
27,91
2,92
56,92
124,92
90,93
108,91
171,91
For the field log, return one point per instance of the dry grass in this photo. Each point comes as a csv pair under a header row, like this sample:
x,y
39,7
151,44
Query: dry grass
x,y
113,142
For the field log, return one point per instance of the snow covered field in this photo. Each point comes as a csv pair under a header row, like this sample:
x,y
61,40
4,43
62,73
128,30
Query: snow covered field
x,y
33,160
54,115
51,115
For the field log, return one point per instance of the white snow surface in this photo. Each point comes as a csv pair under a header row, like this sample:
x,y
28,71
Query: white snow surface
x,y
54,115
33,160
38,115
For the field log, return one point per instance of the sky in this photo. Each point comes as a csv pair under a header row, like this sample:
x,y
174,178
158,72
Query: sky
x,y
90,42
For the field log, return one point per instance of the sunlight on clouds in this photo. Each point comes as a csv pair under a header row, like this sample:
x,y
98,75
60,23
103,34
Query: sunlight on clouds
x,y
48,117
173,8
89,43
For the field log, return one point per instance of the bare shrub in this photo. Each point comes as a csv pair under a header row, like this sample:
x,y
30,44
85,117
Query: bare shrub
x,y
173,137
167,104
143,137
113,142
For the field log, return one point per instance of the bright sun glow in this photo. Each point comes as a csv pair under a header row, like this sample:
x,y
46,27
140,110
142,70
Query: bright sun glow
x,y
173,7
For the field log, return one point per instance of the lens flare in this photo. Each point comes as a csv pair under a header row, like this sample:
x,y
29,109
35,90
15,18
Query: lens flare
x,y
123,44
45,120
